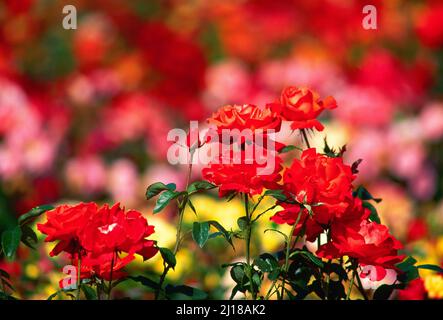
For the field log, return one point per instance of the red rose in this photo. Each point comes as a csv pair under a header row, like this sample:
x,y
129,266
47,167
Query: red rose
x,y
92,231
369,242
65,223
114,230
245,116
244,177
100,267
321,181
323,216
302,106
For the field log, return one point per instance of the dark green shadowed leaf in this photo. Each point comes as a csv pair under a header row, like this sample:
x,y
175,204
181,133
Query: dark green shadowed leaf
x,y
168,256
11,241
29,237
183,292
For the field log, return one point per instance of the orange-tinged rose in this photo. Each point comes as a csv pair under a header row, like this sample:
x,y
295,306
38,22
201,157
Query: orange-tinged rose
x,y
245,116
302,106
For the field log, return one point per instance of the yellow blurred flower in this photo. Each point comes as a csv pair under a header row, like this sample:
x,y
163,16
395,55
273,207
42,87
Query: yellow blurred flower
x,y
32,271
434,286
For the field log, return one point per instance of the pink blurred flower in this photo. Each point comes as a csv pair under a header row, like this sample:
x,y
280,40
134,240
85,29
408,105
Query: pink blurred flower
x,y
322,76
368,145
227,82
423,184
123,182
86,174
431,121
363,106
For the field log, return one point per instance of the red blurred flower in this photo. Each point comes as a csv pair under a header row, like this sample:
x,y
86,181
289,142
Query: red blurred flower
x,y
302,106
414,291
430,26
65,223
369,242
418,229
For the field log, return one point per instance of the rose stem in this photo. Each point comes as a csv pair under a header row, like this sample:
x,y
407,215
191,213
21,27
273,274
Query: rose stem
x,y
248,245
79,265
181,211
110,276
305,137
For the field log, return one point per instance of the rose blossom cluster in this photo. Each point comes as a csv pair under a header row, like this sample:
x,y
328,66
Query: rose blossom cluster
x,y
320,196
300,106
95,237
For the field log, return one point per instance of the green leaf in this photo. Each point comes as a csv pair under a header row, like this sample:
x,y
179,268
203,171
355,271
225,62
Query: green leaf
x,y
362,193
410,271
406,263
4,296
256,281
151,284
385,291
289,148
89,292
52,296
432,267
242,223
225,233
374,214
273,275
11,241
200,233
200,186
277,194
318,262
182,292
238,273
262,265
33,213
168,256
191,205
29,237
164,199
158,187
